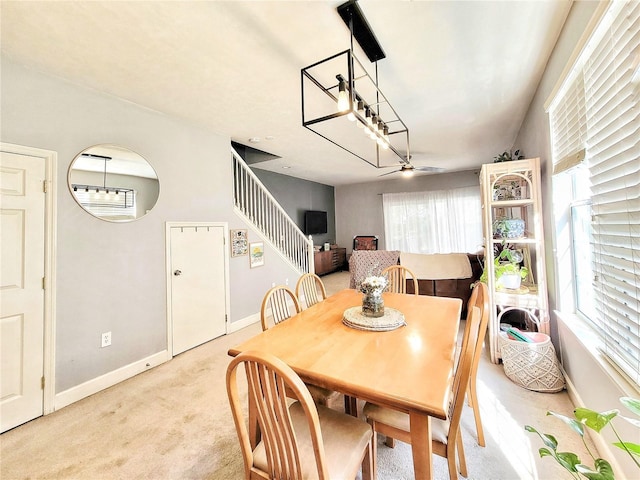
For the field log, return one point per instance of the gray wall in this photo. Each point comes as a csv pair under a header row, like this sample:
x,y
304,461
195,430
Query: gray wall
x,y
359,206
111,277
595,386
296,196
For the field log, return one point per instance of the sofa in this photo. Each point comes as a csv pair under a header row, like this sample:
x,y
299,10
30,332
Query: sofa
x,y
441,275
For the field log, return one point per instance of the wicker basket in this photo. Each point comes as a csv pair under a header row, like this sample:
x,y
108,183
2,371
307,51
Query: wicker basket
x,y
533,366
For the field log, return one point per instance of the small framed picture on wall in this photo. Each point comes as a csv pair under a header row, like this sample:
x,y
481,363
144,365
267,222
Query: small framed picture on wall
x,y
256,254
239,245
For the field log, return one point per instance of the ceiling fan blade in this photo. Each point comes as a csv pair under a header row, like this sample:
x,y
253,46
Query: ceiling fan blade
x,y
389,173
430,169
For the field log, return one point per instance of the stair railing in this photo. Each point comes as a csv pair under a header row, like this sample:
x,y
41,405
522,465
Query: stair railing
x,y
253,201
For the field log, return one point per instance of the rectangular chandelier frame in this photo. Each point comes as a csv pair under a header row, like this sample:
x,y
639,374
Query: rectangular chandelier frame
x,y
321,86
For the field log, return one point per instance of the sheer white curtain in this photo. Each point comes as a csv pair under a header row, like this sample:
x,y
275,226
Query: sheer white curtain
x,y
442,221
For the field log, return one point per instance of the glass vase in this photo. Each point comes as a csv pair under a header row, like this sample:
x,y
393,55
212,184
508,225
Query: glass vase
x,y
373,304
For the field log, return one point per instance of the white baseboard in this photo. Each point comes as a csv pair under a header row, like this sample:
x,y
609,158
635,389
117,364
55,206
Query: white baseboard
x,y
243,322
107,380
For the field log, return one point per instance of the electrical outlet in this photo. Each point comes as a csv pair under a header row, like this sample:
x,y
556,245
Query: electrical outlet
x,y
106,339
286,282
273,284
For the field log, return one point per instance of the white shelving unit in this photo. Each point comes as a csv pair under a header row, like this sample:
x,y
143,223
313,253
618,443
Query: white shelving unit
x,y
512,190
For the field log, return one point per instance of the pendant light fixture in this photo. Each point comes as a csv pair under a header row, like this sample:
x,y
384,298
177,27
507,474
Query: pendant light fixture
x,y
339,91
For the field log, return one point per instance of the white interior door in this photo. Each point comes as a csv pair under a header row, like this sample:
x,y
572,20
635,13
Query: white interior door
x,y
22,246
198,294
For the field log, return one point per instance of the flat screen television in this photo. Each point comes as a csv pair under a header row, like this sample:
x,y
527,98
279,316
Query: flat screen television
x,y
315,221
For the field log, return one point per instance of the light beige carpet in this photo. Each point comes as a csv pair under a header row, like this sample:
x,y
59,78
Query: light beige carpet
x,y
174,422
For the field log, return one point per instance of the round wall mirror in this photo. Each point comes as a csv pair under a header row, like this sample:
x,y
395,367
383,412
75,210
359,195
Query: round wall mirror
x,y
113,183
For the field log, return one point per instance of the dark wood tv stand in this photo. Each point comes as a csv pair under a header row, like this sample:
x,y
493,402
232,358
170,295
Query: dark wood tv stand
x,y
329,260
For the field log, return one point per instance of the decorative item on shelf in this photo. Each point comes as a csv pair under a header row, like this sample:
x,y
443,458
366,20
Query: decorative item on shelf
x,y
372,301
515,189
508,228
508,272
508,156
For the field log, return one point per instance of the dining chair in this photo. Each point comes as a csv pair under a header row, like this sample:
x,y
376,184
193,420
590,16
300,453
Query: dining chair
x,y
311,288
446,435
398,276
299,439
479,298
277,306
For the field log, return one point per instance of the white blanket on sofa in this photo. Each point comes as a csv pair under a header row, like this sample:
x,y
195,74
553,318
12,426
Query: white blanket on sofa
x,y
440,266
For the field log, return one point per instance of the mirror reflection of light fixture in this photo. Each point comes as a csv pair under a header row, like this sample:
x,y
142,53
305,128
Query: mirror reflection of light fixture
x,y
339,88
113,183
128,192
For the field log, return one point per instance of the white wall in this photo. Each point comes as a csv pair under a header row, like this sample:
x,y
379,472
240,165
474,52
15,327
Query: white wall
x,y
111,276
592,382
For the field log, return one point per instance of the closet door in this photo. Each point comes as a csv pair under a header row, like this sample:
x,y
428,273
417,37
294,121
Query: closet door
x,y
197,284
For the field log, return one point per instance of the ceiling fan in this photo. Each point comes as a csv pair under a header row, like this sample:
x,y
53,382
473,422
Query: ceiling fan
x,y
408,170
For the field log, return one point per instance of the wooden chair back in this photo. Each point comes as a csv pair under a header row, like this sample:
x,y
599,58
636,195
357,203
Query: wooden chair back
x,y
310,287
398,276
268,379
479,298
276,306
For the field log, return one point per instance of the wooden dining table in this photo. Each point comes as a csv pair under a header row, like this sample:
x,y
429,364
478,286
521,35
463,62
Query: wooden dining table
x,y
409,369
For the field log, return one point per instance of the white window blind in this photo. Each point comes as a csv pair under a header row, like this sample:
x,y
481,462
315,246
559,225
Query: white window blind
x,y
610,135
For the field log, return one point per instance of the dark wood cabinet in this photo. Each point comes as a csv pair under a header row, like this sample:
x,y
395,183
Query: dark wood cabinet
x,y
329,260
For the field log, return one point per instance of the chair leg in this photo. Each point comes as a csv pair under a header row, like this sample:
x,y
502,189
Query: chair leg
x,y
473,401
390,442
374,453
369,460
451,462
461,458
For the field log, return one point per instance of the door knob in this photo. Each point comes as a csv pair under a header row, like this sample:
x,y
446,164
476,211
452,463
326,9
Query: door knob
x,y
177,272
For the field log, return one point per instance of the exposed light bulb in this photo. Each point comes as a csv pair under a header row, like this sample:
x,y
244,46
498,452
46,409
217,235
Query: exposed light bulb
x,y
407,172
360,112
367,116
343,97
385,135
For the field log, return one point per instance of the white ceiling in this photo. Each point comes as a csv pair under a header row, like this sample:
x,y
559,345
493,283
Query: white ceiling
x,y
461,75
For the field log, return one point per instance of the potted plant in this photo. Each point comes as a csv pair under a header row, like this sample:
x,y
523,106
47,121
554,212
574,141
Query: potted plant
x,y
595,421
508,156
508,272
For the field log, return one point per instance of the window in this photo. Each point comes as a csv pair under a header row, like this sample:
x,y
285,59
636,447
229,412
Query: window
x,y
444,221
595,132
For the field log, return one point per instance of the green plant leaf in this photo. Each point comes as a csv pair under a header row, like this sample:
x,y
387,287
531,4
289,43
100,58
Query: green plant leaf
x,y
544,452
632,404
549,440
594,420
603,470
632,421
568,460
633,448
575,425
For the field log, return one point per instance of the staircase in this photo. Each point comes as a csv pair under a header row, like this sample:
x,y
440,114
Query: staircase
x,y
253,201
